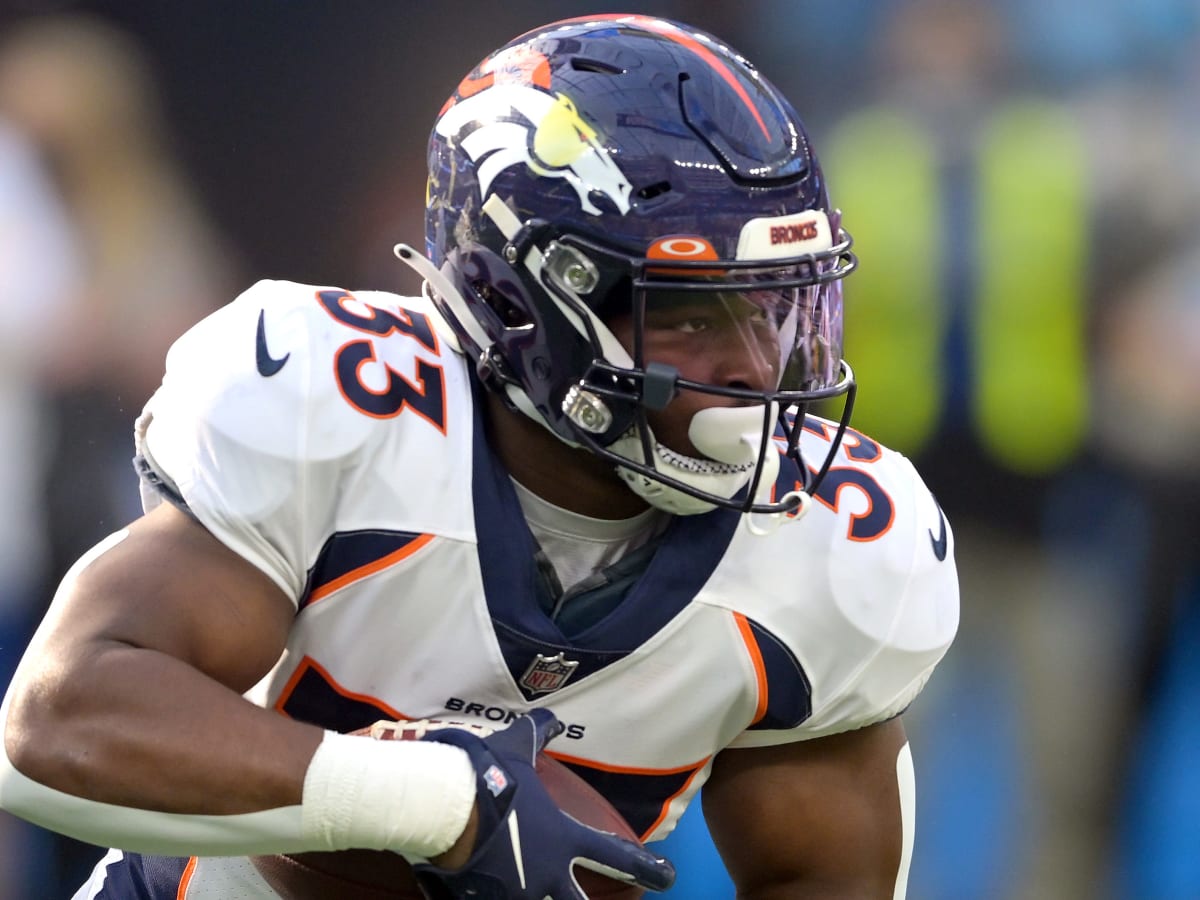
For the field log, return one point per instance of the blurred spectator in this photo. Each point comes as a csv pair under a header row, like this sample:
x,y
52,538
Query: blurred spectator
x,y
981,234
38,272
1150,374
152,263
149,266
1149,422
1138,108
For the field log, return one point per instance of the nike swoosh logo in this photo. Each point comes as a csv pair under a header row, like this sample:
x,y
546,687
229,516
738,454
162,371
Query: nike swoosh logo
x,y
939,542
267,364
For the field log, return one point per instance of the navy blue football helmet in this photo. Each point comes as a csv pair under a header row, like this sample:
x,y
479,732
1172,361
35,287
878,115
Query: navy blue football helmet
x,y
596,167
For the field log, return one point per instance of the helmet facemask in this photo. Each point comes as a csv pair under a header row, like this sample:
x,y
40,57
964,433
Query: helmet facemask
x,y
785,315
780,327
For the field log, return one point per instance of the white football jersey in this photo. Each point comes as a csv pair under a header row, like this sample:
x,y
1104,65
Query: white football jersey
x,y
333,439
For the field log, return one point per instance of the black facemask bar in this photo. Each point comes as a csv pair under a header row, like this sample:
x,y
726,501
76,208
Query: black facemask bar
x,y
649,386
652,386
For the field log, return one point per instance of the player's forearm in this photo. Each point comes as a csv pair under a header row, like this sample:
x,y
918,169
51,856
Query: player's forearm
x,y
134,727
119,746
187,767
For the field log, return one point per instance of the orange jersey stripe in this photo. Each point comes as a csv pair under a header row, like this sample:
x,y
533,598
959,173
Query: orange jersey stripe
x,y
667,804
186,878
308,663
694,768
370,568
624,770
760,670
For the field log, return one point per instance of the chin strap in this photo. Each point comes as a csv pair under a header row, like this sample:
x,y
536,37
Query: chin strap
x,y
730,438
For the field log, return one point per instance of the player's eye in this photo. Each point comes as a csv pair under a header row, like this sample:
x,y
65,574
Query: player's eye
x,y
762,317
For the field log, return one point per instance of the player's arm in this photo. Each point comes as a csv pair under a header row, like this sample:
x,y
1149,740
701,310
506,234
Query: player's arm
x,y
819,818
129,693
125,725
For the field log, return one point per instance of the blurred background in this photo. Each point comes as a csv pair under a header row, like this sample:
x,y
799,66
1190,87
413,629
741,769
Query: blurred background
x,y
1023,182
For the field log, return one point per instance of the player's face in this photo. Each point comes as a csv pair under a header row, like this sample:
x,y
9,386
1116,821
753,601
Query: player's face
x,y
728,339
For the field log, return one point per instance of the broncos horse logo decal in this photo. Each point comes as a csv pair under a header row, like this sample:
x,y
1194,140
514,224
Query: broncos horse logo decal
x,y
522,124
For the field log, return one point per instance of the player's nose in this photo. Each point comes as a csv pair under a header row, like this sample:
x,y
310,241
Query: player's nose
x,y
746,361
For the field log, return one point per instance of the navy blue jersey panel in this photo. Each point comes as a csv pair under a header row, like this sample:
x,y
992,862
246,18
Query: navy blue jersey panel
x,y
348,551
789,692
137,877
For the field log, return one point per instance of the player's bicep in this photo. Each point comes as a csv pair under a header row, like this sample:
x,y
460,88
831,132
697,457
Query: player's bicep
x,y
168,585
818,818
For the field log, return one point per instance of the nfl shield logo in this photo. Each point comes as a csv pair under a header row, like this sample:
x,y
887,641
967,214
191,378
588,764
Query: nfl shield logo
x,y
547,673
495,780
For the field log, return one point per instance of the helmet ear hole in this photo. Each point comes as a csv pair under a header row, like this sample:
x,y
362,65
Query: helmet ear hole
x,y
510,315
650,191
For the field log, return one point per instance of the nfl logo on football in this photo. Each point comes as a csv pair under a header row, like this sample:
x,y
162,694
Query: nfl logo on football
x,y
547,673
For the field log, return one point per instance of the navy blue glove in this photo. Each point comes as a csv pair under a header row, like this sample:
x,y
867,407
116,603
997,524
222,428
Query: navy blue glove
x,y
526,845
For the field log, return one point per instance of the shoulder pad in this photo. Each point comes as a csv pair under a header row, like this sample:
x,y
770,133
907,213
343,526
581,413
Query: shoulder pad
x,y
267,402
900,595
877,588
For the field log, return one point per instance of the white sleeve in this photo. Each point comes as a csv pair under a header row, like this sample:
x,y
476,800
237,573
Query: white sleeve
x,y
919,631
902,664
258,459
39,255
881,615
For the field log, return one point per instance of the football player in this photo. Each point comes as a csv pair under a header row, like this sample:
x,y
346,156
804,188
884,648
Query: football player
x,y
574,491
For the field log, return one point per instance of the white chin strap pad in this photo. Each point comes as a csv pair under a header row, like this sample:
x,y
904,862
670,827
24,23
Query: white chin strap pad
x,y
734,435
728,435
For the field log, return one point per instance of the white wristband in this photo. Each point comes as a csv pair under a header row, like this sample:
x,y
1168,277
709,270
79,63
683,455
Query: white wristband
x,y
411,797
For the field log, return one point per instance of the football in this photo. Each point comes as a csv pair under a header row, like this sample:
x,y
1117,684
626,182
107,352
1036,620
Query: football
x,y
371,874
